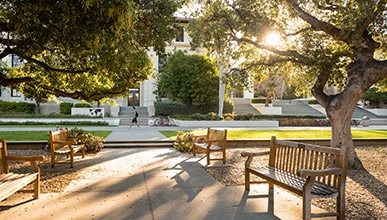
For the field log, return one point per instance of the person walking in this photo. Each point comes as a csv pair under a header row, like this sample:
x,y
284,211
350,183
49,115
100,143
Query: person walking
x,y
134,120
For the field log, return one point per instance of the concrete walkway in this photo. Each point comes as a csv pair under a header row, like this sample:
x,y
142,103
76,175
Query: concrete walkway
x,y
149,184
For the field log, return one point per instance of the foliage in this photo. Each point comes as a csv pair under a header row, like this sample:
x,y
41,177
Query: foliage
x,y
228,106
172,109
20,107
65,108
82,105
86,50
313,102
335,49
304,122
189,79
92,142
244,117
184,141
259,101
374,98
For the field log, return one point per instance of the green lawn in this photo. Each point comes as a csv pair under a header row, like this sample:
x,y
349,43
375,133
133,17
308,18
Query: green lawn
x,y
38,135
249,134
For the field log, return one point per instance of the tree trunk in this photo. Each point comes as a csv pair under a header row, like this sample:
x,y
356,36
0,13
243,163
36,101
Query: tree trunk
x,y
339,110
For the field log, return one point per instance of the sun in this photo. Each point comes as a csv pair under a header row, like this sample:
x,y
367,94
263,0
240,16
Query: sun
x,y
272,39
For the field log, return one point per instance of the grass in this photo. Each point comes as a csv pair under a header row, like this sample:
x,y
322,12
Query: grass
x,y
250,134
38,135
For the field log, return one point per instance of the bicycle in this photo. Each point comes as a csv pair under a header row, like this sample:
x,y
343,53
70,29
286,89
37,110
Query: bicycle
x,y
164,121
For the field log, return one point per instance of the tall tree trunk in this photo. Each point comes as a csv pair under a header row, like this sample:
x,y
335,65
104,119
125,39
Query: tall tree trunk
x,y
340,119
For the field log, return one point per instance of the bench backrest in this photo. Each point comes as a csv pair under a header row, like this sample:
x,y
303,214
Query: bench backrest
x,y
221,135
60,135
3,154
293,156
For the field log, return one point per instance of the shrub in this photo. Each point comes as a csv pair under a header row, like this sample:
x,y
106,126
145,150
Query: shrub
x,y
184,141
259,101
17,107
313,102
92,142
228,106
65,108
82,105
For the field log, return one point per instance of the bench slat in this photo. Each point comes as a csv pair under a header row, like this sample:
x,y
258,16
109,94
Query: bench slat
x,y
292,181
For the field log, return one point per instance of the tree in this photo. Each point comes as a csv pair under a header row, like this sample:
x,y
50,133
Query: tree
x,y
208,33
82,49
340,43
374,98
188,78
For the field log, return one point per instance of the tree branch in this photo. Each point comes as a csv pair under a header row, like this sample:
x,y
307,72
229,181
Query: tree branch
x,y
363,28
317,24
47,67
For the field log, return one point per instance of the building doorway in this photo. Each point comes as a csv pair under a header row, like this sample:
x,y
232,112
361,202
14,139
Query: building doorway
x,y
134,97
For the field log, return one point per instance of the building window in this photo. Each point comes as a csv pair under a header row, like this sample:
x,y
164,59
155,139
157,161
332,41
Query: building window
x,y
180,35
15,93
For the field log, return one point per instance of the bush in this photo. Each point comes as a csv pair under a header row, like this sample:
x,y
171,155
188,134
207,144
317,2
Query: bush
x,y
92,142
259,101
17,107
82,105
313,102
65,108
184,141
228,106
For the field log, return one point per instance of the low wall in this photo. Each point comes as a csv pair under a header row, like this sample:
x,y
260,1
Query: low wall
x,y
267,110
110,121
93,112
261,123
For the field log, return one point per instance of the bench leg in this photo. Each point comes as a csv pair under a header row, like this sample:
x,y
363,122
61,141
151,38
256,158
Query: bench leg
x,y
224,156
208,156
247,180
340,206
306,200
271,199
37,187
52,160
83,152
71,159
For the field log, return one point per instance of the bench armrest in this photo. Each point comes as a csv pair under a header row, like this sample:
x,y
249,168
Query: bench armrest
x,y
254,154
24,158
325,172
251,155
33,160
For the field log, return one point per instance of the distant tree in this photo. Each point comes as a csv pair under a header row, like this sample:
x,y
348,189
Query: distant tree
x,y
82,49
374,98
189,78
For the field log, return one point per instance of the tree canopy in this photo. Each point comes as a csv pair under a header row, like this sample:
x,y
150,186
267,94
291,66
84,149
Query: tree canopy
x,y
189,78
85,50
339,43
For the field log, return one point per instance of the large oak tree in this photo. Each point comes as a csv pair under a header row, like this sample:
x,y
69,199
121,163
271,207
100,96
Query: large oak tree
x,y
83,49
339,43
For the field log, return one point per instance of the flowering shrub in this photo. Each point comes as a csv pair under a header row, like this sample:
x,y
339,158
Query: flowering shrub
x,y
92,142
184,141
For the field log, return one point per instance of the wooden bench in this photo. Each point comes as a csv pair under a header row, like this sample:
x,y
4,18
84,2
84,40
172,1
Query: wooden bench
x,y
214,141
307,170
11,183
63,144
